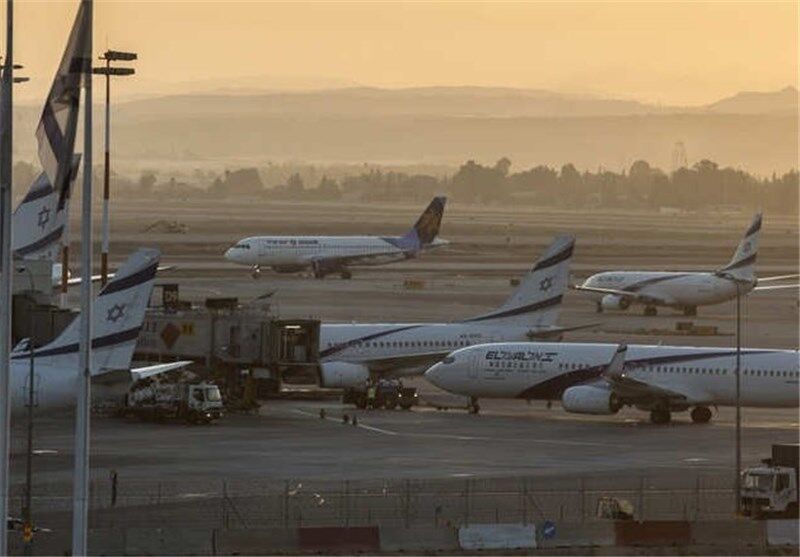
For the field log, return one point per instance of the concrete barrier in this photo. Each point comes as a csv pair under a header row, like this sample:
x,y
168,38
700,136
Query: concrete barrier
x,y
783,532
339,540
497,536
581,534
168,541
418,539
262,541
652,533
729,532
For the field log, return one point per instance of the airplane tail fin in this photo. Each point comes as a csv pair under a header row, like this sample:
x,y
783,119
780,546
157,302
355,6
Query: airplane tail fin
x,y
117,315
40,220
426,228
537,300
743,264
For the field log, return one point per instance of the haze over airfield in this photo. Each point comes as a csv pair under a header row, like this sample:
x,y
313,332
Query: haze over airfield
x,y
669,53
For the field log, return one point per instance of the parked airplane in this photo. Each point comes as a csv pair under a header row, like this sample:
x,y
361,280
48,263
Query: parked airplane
x,y
592,378
117,315
686,291
353,353
336,254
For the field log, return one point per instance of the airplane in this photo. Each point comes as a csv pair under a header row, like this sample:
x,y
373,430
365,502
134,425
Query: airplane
x,y
600,378
117,315
683,290
336,254
352,354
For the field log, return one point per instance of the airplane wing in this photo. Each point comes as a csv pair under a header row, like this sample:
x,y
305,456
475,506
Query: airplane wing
x,y
150,371
399,362
74,281
632,296
777,286
778,277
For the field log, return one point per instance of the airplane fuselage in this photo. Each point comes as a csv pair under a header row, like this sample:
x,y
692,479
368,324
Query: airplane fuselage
x,y
541,370
673,289
300,252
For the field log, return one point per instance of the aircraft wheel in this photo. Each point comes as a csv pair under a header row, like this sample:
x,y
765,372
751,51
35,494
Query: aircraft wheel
x,y
346,275
599,308
474,407
690,311
650,311
701,415
660,416
256,273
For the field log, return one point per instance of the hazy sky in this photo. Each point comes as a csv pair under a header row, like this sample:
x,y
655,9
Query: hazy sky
x,y
671,52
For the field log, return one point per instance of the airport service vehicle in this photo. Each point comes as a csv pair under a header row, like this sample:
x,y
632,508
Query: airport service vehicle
x,y
389,394
683,290
771,489
117,315
193,402
326,255
352,354
595,378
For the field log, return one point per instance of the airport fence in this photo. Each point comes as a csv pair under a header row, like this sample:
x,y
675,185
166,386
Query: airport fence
x,y
257,503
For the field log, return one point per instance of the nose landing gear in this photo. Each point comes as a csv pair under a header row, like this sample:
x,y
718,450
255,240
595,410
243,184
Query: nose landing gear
x,y
473,405
256,272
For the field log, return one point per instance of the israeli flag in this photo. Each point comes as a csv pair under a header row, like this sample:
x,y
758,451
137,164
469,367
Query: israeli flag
x,y
58,124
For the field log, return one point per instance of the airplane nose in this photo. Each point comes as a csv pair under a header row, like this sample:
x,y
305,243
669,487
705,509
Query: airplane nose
x,y
229,254
434,374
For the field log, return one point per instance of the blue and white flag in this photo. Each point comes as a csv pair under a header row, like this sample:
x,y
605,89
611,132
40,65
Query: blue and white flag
x,y
40,220
58,124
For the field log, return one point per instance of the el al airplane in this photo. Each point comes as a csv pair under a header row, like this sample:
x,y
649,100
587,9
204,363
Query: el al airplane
x,y
117,315
335,254
683,290
351,354
592,378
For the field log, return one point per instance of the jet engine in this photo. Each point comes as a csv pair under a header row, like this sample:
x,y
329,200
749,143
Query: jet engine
x,y
342,375
585,399
613,301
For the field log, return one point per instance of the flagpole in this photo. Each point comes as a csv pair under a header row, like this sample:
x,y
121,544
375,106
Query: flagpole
x,y
5,279
80,499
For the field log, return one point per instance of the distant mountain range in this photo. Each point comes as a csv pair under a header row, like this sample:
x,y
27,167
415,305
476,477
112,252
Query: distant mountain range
x,y
442,125
441,101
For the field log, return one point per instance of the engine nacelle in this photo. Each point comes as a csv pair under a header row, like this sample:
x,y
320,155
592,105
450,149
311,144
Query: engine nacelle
x,y
612,301
341,375
585,399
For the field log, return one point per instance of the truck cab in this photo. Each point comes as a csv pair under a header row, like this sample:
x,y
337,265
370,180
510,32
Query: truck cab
x,y
205,401
771,489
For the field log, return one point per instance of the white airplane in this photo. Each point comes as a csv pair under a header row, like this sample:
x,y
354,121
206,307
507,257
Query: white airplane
x,y
117,315
351,354
592,378
336,254
683,290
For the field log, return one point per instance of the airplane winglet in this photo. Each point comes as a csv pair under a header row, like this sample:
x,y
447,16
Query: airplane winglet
x,y
616,365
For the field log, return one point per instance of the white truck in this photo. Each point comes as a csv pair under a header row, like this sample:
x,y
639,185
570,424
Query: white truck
x,y
194,402
771,489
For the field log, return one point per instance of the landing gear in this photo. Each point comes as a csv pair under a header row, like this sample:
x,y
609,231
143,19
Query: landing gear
x,y
650,311
690,311
660,416
701,415
256,272
473,406
598,308
318,272
346,275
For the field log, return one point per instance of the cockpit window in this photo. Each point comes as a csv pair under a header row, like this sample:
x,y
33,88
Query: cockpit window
x,y
241,246
448,360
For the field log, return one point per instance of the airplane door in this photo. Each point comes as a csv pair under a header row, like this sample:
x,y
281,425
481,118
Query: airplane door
x,y
473,365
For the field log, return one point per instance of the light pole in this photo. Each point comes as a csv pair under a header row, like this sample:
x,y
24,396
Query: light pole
x,y
738,484
26,511
108,71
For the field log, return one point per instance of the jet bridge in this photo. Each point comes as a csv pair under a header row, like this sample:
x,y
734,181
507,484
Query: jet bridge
x,y
226,338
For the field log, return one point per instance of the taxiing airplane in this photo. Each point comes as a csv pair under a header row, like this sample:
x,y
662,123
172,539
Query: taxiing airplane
x,y
351,354
117,315
594,378
683,290
336,254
